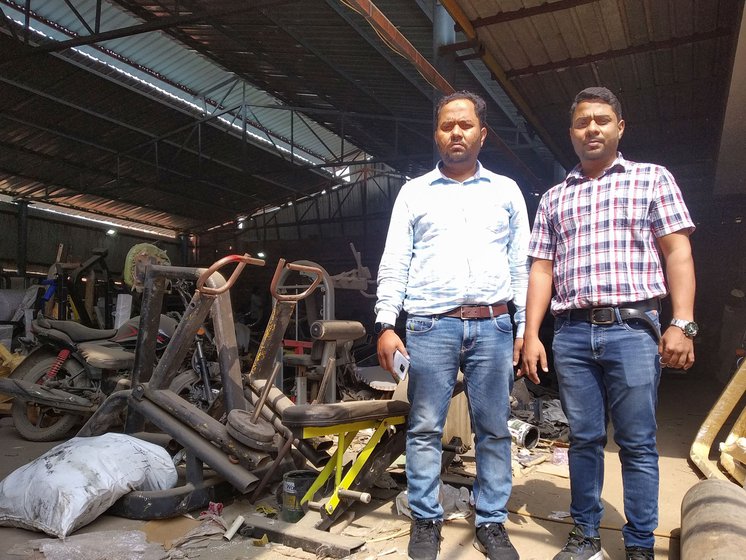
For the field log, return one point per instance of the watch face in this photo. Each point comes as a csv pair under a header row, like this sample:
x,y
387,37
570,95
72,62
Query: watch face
x,y
691,329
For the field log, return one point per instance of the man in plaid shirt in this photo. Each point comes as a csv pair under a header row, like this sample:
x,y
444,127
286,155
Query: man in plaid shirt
x,y
598,238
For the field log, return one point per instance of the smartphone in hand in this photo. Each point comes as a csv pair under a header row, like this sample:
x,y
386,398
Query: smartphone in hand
x,y
401,365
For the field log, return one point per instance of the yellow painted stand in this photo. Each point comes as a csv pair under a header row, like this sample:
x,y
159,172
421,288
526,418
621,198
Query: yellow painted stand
x,y
345,435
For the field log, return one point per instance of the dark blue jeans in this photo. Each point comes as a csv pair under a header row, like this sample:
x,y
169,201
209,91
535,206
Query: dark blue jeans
x,y
483,350
611,372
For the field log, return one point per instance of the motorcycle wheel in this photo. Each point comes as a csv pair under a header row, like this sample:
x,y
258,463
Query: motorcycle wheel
x,y
36,422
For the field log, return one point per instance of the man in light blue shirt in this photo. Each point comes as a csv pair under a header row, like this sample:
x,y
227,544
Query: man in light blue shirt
x,y
455,256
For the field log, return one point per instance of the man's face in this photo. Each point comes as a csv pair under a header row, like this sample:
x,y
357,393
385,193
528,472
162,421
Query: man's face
x,y
459,135
595,131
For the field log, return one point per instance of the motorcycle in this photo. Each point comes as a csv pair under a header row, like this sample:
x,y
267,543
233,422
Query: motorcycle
x,y
75,368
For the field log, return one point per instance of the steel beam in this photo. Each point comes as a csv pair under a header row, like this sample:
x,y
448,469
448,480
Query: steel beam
x,y
467,27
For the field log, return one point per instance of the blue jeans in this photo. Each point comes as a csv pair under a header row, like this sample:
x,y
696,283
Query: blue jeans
x,y
611,371
483,350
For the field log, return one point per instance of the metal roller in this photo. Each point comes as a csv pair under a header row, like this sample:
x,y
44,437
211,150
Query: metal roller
x,y
340,331
713,521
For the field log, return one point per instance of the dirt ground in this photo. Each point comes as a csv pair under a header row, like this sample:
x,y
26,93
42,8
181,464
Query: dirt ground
x,y
537,524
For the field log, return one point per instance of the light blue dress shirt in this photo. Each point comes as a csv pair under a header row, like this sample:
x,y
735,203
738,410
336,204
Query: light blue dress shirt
x,y
451,244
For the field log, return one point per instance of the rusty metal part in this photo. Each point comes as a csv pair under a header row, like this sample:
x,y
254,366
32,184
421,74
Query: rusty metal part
x,y
284,450
45,396
107,416
239,477
242,260
273,413
363,497
204,424
316,271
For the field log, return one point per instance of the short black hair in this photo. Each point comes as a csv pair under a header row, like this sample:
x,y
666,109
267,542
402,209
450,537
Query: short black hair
x,y
602,93
480,107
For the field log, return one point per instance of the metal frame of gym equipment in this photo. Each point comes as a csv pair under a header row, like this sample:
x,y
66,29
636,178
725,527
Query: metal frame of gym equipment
x,y
263,424
713,510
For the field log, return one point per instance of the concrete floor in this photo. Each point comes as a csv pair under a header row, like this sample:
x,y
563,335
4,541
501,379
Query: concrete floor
x,y
685,399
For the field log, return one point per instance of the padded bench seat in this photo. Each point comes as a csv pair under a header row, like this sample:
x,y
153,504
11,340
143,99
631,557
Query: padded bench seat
x,y
335,414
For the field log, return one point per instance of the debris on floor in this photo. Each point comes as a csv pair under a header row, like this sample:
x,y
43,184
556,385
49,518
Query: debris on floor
x,y
456,502
101,545
540,407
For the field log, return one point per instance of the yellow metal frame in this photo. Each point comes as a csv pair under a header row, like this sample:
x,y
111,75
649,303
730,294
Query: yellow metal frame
x,y
716,418
345,435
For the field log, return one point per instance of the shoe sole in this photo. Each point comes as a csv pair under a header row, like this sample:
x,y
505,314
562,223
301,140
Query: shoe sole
x,y
478,545
598,556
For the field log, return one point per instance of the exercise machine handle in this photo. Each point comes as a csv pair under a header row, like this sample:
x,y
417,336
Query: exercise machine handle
x,y
243,260
316,271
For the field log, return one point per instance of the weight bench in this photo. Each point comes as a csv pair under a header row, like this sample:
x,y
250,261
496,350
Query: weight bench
x,y
387,418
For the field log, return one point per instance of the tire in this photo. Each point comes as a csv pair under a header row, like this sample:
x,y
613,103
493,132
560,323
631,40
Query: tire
x,y
36,422
184,385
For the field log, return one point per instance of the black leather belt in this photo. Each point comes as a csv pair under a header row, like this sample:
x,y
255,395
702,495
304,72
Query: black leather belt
x,y
607,315
476,311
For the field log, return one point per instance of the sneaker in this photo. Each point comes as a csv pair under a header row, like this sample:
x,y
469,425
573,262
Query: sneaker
x,y
492,540
580,547
639,553
424,541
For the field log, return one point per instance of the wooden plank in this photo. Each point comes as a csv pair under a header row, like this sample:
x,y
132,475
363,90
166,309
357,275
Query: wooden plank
x,y
303,535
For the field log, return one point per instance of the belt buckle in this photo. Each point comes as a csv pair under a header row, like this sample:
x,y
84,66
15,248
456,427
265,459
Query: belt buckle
x,y
467,312
608,319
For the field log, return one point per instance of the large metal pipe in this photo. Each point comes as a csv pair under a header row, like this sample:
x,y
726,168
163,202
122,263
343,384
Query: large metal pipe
x,y
213,431
236,475
713,521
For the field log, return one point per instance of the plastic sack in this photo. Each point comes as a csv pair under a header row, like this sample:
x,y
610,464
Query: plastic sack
x,y
456,502
75,482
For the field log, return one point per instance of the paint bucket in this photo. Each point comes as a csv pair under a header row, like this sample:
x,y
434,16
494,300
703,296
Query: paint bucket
x,y
295,484
524,434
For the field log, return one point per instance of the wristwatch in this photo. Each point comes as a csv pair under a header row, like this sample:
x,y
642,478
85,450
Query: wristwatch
x,y
378,328
690,328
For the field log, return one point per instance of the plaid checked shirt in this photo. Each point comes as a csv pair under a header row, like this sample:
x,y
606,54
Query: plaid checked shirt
x,y
601,234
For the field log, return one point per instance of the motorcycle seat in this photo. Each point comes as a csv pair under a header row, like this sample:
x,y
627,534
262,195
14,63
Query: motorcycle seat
x,y
76,331
107,356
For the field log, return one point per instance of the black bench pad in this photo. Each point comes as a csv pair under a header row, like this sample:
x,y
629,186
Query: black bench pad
x,y
332,414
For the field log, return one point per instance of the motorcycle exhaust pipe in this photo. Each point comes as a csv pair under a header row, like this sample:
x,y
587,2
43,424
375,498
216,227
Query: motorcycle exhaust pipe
x,y
37,394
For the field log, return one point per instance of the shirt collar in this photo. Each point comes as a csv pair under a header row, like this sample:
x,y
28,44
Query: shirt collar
x,y
577,176
440,179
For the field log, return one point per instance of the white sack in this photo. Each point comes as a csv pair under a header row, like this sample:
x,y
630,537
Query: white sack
x,y
75,482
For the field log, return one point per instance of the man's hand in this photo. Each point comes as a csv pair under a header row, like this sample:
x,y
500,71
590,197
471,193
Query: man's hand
x,y
517,348
533,353
676,349
388,343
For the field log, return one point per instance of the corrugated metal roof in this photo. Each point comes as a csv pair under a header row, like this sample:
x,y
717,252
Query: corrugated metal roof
x,y
79,132
187,71
668,61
